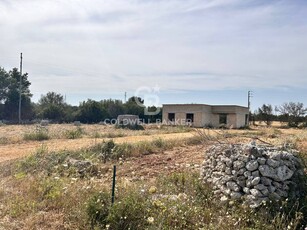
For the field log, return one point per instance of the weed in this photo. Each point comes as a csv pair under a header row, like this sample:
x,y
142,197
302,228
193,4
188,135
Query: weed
x,y
97,209
4,140
74,134
40,134
129,213
122,150
160,143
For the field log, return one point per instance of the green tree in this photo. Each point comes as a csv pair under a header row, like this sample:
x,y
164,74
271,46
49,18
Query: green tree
x,y
52,106
9,95
4,85
265,113
294,112
135,106
91,111
113,107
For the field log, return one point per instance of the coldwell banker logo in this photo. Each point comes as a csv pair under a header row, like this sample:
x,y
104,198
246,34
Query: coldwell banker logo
x,y
150,96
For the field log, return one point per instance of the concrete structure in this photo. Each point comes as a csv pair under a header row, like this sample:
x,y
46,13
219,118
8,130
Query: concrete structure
x,y
128,119
202,115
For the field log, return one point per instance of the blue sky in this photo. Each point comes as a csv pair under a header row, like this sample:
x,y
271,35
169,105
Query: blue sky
x,y
193,51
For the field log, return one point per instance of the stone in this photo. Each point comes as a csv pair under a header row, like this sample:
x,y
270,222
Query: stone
x,y
254,151
271,189
228,171
241,171
256,192
265,192
252,165
246,190
250,197
267,171
277,184
247,174
266,181
260,187
255,173
221,166
229,163
238,165
255,181
241,183
273,163
235,195
226,191
224,198
233,186
284,173
251,173
261,160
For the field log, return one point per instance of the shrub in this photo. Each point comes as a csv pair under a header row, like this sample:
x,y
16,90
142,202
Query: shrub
x,y
129,213
130,126
74,134
122,150
39,134
97,209
160,143
104,150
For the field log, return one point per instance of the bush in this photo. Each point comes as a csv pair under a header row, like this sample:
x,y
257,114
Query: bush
x,y
74,134
104,150
130,126
98,209
129,213
40,134
122,150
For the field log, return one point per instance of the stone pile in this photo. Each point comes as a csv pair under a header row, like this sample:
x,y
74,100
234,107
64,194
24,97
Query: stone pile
x,y
251,173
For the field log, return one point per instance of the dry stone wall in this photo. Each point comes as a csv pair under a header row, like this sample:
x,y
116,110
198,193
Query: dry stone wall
x,y
252,173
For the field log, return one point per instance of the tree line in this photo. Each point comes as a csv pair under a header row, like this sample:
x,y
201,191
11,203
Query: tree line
x,y
292,113
52,106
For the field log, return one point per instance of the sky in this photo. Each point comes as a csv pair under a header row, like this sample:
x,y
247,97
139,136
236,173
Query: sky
x,y
166,51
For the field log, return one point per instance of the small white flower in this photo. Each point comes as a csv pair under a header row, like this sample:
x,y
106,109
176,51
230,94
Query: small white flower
x,y
150,220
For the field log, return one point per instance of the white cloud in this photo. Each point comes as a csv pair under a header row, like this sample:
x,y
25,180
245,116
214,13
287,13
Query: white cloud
x,y
86,46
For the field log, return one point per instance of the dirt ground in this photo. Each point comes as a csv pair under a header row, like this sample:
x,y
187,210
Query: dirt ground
x,y
13,145
17,150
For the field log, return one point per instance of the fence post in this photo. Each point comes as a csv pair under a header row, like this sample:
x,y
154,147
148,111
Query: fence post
x,y
113,184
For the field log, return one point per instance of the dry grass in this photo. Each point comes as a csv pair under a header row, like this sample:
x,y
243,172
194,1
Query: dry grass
x,y
50,199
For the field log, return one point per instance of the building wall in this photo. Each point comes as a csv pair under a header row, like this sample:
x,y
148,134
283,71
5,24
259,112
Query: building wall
x,y
241,119
205,115
231,120
202,114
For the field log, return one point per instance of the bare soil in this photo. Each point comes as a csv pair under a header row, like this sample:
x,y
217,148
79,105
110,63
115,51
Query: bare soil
x,y
17,150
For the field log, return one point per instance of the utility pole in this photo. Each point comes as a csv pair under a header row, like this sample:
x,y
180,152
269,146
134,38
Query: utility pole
x,y
125,97
249,95
20,87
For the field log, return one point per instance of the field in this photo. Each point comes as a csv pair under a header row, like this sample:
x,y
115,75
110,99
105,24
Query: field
x,y
60,177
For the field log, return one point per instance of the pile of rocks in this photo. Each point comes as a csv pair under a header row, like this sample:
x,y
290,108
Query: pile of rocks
x,y
251,173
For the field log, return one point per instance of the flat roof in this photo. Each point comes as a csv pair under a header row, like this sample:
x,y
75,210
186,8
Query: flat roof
x,y
205,105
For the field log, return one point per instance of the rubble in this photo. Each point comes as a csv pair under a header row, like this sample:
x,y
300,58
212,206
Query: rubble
x,y
251,173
